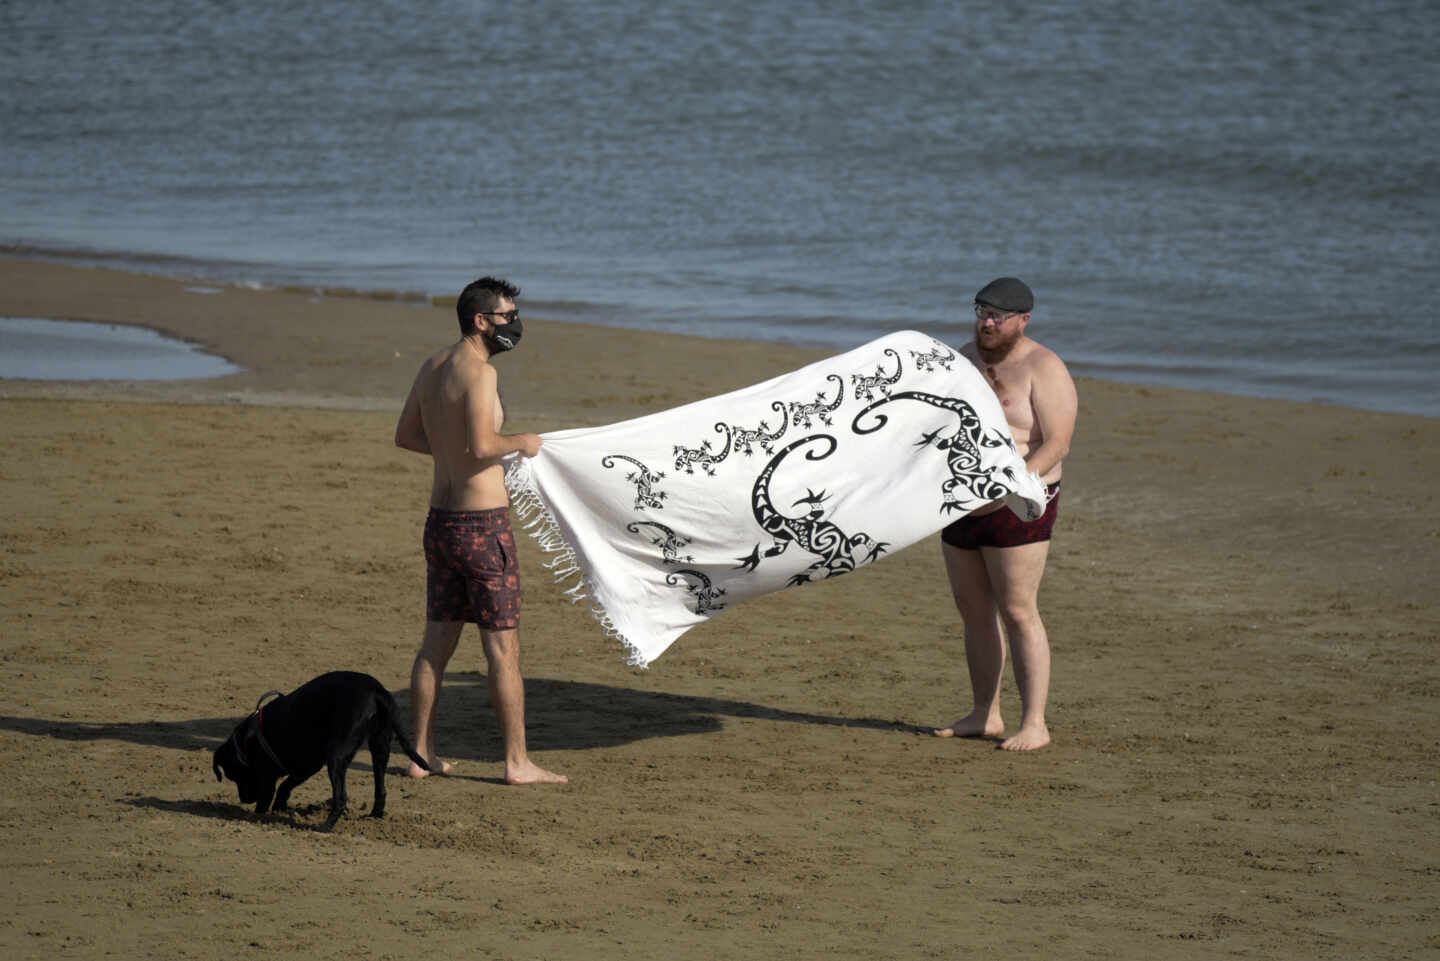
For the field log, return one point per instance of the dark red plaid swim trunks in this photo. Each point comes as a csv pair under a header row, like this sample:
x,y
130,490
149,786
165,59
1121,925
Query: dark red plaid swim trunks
x,y
1003,528
472,569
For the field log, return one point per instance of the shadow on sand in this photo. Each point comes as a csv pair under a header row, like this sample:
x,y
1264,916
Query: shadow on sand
x,y
561,715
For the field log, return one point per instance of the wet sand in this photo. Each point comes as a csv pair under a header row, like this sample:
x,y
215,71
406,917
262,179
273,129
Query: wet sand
x,y
1244,702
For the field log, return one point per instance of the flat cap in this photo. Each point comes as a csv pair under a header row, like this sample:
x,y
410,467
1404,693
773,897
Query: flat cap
x,y
1007,293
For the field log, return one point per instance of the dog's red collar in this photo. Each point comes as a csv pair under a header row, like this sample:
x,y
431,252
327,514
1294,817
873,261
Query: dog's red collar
x,y
264,744
259,735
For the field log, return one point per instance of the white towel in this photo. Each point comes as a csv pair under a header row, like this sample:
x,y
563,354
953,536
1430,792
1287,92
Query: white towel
x,y
669,519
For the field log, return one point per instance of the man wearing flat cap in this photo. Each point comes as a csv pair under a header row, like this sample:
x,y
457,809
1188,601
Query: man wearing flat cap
x,y
995,559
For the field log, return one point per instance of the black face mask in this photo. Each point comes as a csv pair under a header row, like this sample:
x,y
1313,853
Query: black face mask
x,y
503,337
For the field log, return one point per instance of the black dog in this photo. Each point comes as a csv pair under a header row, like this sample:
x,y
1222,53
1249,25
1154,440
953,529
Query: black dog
x,y
320,724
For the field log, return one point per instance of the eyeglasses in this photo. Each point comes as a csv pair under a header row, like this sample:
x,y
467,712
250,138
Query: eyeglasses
x,y
510,315
983,313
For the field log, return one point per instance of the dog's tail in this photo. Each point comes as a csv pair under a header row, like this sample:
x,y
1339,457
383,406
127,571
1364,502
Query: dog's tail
x,y
406,744
409,748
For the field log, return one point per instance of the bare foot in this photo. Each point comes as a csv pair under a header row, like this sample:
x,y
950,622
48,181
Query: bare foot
x,y
531,773
1028,739
973,725
437,766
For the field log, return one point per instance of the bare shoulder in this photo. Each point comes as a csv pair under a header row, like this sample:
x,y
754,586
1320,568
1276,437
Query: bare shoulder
x,y
474,379
1052,390
481,373
433,363
456,367
1045,364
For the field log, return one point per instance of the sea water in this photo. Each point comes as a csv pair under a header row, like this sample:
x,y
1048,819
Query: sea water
x,y
1227,195
37,348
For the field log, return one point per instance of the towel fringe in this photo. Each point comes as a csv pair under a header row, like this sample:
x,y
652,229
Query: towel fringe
x,y
536,520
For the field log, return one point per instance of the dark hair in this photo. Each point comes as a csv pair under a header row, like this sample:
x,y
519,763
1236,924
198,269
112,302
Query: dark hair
x,y
480,296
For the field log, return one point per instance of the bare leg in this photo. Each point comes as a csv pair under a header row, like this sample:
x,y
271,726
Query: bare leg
x,y
984,644
507,695
1015,574
426,676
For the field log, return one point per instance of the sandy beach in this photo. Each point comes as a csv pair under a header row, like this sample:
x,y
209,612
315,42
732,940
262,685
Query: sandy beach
x,y
1244,704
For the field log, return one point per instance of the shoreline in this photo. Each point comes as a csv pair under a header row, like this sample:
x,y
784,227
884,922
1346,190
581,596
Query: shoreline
x,y
16,263
364,359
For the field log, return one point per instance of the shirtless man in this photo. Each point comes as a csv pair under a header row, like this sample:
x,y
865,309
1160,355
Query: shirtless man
x,y
994,559
453,414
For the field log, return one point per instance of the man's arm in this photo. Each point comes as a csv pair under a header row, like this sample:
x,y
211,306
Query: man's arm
x,y
410,430
1056,406
481,405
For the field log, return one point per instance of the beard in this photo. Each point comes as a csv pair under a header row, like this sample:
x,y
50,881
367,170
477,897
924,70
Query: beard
x,y
996,345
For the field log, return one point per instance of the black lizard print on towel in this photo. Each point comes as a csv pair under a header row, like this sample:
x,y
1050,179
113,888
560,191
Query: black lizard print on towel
x,y
745,439
644,480
669,542
805,414
936,358
688,458
867,384
969,485
811,531
699,587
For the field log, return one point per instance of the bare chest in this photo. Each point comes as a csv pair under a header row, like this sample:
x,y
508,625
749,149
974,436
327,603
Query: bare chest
x,y
1011,384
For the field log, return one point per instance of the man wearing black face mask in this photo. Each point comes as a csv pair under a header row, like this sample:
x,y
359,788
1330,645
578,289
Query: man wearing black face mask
x,y
454,414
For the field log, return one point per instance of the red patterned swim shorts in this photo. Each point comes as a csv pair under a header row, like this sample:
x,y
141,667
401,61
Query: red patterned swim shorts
x,y
1003,528
473,573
